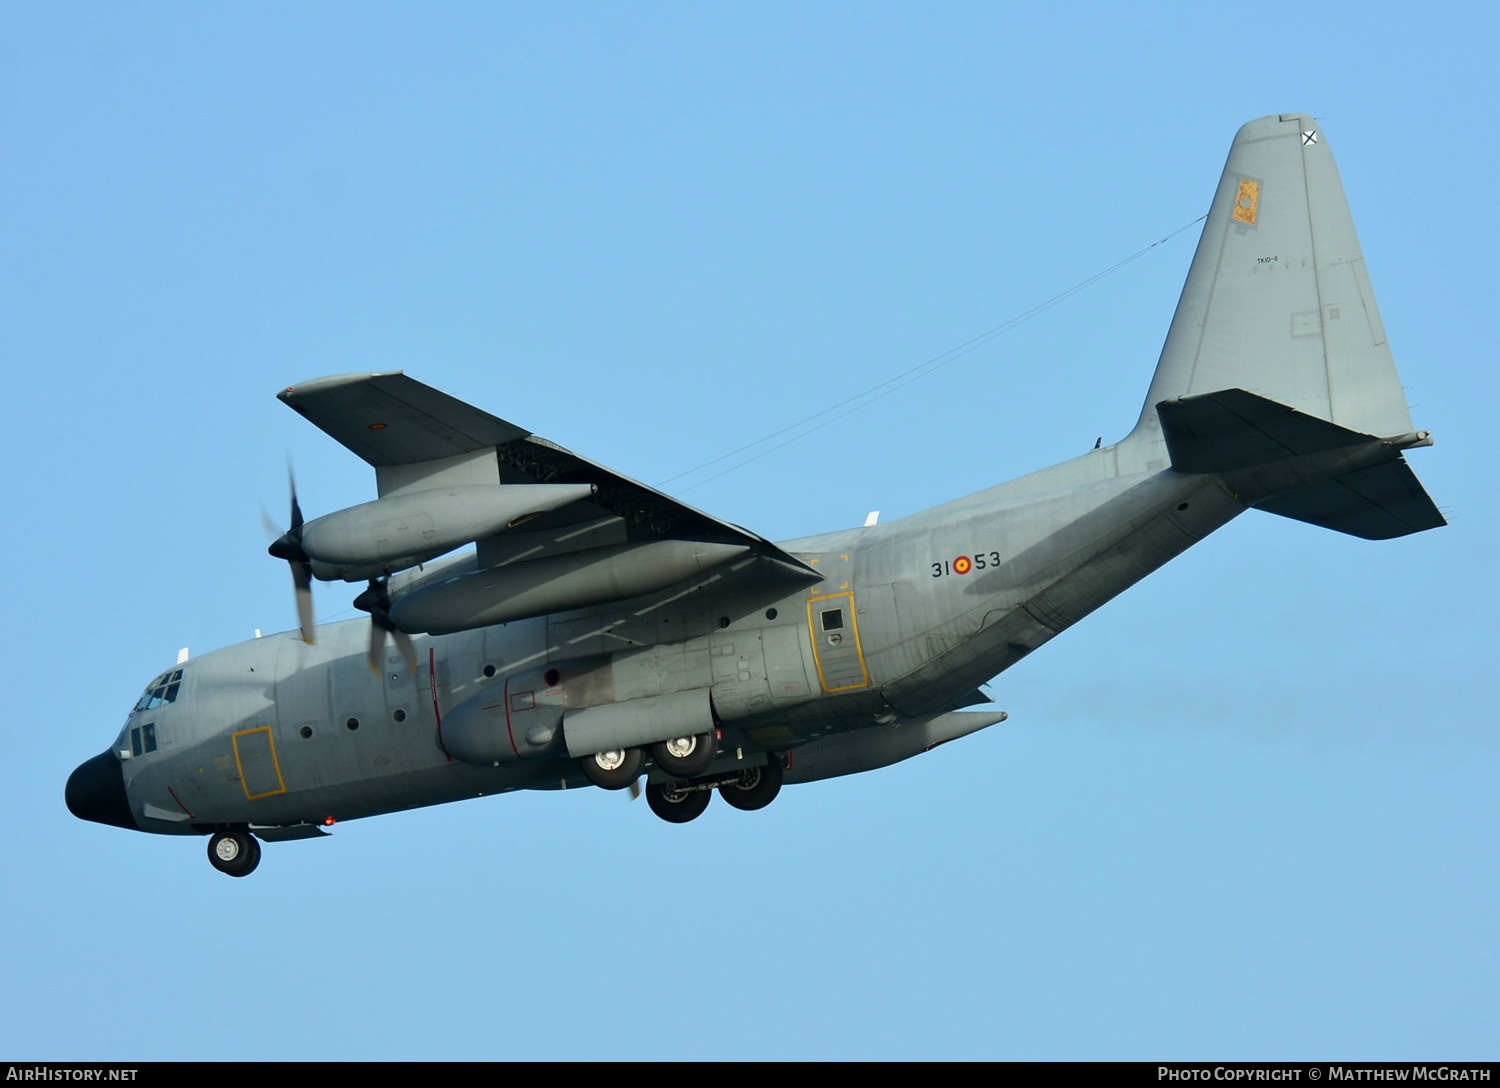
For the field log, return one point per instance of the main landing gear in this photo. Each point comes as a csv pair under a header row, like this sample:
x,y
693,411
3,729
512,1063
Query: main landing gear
x,y
234,852
678,802
687,796
614,769
685,757
747,790
754,787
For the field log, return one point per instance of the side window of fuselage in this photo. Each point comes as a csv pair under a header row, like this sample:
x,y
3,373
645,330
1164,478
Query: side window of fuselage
x,y
143,739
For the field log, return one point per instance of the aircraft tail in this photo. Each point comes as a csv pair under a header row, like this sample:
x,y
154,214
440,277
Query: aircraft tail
x,y
1276,371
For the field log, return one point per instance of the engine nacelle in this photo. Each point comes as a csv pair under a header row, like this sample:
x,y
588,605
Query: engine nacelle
x,y
400,531
555,584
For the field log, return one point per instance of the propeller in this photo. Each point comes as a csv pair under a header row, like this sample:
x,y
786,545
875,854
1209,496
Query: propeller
x,y
288,546
376,600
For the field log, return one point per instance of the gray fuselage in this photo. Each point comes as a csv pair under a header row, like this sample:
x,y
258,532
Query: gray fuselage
x,y
908,619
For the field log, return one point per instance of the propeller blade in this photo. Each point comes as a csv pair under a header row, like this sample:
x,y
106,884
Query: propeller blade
x,y
288,546
302,586
376,600
291,482
272,529
406,646
377,644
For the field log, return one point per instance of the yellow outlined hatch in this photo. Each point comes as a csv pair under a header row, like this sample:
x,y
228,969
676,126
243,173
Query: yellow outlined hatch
x,y
255,758
836,647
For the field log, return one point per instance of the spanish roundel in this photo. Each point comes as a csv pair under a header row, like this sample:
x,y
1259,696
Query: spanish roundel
x,y
962,565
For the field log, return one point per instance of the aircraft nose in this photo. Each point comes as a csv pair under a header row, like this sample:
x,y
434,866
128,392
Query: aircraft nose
x,y
96,791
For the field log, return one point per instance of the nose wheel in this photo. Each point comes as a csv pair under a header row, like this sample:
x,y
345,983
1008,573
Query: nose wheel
x,y
234,852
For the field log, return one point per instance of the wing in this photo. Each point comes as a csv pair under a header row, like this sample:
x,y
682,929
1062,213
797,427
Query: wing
x,y
421,440
392,421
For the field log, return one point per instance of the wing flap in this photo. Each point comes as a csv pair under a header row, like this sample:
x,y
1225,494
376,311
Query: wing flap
x,y
647,512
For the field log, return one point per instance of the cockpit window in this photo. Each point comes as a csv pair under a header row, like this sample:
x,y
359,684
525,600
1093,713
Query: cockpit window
x,y
143,739
162,691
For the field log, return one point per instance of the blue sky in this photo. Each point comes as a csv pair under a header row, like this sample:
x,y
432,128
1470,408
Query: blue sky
x,y
1247,810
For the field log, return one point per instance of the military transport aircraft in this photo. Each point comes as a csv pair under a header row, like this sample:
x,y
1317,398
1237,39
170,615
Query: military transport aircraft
x,y
601,631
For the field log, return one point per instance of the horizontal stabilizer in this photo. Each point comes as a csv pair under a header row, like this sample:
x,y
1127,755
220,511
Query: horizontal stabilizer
x,y
1269,453
1376,503
1233,429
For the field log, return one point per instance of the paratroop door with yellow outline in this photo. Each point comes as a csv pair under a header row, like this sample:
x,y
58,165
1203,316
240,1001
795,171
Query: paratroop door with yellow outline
x,y
836,647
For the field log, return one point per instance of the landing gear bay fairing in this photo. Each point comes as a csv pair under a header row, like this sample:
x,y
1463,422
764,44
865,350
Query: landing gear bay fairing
x,y
600,632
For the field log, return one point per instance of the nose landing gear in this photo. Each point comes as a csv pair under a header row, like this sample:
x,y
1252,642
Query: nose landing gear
x,y
234,852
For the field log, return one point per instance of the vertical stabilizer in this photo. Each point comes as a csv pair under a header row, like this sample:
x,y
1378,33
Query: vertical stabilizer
x,y
1278,301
